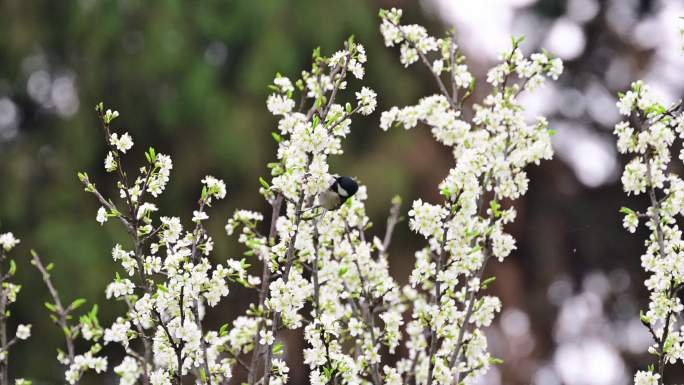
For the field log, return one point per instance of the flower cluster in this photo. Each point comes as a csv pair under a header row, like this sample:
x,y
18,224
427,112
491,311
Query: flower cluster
x,y
648,135
8,295
491,151
310,257
171,280
321,271
170,283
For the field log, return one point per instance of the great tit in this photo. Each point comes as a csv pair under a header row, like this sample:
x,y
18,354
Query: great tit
x,y
339,191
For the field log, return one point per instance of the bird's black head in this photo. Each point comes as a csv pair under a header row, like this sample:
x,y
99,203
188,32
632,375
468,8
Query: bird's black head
x,y
348,184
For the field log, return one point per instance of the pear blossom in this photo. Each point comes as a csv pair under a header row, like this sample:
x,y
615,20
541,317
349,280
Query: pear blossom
x,y
491,152
8,241
109,163
122,143
102,215
646,378
279,104
23,331
325,272
215,187
367,102
648,140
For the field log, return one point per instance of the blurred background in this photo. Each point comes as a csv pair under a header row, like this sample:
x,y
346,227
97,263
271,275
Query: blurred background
x,y
190,79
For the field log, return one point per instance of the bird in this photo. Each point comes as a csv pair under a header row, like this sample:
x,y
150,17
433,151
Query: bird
x,y
341,189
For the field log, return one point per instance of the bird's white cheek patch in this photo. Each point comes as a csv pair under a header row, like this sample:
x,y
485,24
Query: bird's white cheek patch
x,y
342,191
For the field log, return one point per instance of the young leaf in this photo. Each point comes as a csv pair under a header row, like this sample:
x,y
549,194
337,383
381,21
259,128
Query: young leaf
x,y
13,267
263,183
77,303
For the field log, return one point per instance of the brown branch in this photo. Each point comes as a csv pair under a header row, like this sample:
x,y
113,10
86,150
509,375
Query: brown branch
x,y
276,206
62,312
392,221
366,307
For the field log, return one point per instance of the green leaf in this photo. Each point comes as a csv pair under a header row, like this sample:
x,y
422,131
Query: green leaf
x,y
350,41
329,372
488,281
627,210
276,136
278,348
13,267
446,192
496,207
668,344
224,330
51,307
93,312
263,183
78,302
517,41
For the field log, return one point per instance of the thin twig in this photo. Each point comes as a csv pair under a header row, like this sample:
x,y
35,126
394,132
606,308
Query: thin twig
x,y
62,312
392,221
425,61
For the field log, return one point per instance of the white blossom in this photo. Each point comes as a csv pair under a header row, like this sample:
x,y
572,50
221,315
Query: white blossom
x,y
110,163
128,371
122,143
102,215
279,104
367,101
23,331
649,143
215,187
8,241
646,378
491,152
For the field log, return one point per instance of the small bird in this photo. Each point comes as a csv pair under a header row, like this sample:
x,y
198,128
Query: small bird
x,y
339,191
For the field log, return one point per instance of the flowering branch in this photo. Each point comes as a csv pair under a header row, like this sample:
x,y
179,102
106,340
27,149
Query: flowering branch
x,y
445,342
167,304
321,270
649,135
88,327
293,244
61,313
8,295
